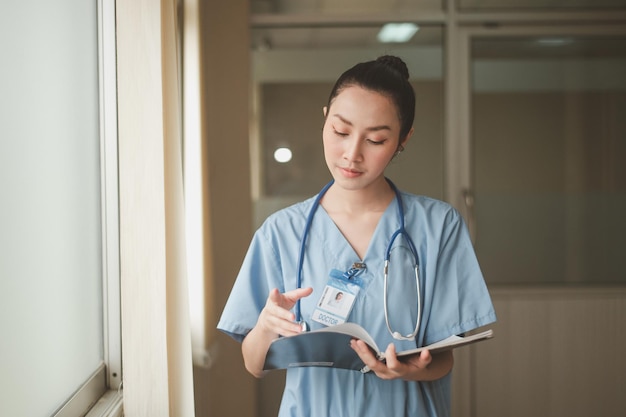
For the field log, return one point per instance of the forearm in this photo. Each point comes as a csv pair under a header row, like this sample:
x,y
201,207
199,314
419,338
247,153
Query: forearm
x,y
440,366
275,320
254,349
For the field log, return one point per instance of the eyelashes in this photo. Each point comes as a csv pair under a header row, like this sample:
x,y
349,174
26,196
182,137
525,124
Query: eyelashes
x,y
371,141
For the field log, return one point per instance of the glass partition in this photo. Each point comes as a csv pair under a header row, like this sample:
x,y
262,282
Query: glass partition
x,y
549,141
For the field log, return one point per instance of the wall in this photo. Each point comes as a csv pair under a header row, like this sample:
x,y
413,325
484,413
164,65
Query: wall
x,y
556,352
225,388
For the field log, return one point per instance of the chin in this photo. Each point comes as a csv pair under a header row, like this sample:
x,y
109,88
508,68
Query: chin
x,y
356,183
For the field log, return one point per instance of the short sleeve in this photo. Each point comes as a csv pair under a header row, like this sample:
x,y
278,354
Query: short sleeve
x,y
259,273
461,301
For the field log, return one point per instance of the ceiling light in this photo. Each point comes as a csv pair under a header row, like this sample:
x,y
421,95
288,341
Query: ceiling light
x,y
397,32
554,41
282,155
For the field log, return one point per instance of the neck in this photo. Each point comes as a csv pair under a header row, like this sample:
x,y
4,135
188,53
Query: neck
x,y
374,198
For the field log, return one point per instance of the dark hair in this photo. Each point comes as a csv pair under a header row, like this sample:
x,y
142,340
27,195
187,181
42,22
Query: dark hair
x,y
387,75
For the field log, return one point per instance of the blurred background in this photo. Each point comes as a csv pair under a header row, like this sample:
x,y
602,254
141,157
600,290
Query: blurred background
x,y
521,124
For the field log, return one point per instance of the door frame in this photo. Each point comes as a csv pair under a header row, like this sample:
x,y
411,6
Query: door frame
x,y
459,181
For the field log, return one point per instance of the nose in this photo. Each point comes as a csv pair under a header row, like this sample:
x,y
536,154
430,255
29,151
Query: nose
x,y
352,151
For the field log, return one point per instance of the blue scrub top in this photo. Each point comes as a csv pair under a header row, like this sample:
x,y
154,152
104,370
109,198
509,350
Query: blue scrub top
x,y
455,300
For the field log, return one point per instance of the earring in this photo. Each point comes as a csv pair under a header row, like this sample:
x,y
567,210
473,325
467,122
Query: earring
x,y
399,151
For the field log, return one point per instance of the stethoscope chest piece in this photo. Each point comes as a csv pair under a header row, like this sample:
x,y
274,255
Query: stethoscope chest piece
x,y
303,326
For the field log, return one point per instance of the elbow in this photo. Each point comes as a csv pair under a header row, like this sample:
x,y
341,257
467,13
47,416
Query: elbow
x,y
447,363
441,365
253,364
255,372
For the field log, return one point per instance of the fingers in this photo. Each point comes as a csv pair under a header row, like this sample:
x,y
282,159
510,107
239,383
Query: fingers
x,y
276,316
392,367
369,358
365,353
288,299
414,362
414,367
278,306
297,294
275,320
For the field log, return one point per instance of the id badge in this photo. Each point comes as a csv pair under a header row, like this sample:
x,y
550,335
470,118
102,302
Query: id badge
x,y
338,297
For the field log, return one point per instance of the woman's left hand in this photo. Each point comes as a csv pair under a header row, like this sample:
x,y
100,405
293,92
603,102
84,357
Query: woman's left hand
x,y
419,367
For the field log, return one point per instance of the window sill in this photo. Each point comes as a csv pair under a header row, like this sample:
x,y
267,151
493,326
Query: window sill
x,y
109,405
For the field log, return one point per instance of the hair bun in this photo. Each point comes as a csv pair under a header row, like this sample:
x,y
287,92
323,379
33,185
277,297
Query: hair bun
x,y
395,63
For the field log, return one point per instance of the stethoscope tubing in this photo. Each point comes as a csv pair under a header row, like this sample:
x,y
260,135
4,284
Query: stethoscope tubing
x,y
305,235
401,231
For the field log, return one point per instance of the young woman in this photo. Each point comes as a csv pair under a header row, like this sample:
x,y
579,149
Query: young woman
x,y
357,222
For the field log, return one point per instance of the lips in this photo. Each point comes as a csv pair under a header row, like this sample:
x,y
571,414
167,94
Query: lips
x,y
350,173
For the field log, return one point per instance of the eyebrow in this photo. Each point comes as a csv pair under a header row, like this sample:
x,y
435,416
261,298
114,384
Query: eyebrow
x,y
370,129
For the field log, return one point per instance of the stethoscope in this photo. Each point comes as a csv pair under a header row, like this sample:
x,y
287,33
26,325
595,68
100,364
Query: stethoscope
x,y
400,232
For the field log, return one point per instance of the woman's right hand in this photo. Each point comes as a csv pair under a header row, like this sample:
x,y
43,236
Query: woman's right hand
x,y
276,317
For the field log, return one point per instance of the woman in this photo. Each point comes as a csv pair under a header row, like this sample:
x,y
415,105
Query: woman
x,y
368,121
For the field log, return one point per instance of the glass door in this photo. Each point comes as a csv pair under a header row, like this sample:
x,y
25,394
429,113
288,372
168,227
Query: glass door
x,y
544,133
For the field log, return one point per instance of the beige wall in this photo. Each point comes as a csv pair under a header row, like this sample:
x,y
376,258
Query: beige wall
x,y
557,353
225,389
